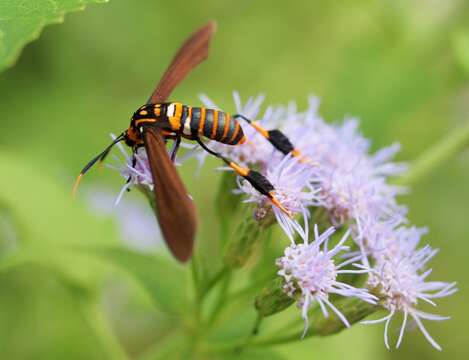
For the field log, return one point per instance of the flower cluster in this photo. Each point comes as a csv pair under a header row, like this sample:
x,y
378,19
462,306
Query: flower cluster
x,y
351,186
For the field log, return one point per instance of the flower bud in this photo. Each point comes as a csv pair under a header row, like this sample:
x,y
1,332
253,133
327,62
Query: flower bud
x,y
354,310
242,243
272,299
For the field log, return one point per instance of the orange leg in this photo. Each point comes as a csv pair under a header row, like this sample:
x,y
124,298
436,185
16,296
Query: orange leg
x,y
256,179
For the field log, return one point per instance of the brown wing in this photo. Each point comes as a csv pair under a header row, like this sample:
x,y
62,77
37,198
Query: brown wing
x,y
192,53
175,210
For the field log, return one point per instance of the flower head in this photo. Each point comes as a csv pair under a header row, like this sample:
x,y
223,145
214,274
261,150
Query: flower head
x,y
399,276
310,274
353,182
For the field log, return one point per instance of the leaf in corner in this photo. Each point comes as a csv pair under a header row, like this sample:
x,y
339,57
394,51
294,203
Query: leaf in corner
x,y
21,21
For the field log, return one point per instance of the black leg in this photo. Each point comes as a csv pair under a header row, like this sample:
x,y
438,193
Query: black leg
x,y
275,137
134,162
256,179
174,150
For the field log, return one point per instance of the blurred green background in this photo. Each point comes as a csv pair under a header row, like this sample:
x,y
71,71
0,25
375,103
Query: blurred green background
x,y
400,66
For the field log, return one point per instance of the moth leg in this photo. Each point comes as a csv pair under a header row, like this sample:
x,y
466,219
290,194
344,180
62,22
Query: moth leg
x,y
277,138
174,150
256,179
134,163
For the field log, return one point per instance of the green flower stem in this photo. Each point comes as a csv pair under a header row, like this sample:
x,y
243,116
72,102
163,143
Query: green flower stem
x,y
195,273
221,299
254,331
224,271
436,155
197,298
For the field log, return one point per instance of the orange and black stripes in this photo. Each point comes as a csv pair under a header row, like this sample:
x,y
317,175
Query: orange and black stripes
x,y
213,124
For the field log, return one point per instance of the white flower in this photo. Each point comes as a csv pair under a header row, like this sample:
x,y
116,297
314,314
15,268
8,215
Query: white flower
x,y
310,271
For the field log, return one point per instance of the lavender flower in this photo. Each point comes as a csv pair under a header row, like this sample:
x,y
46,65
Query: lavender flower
x,y
353,182
399,277
311,274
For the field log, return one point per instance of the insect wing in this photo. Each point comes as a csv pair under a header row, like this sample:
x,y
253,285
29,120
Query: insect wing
x,y
175,210
192,53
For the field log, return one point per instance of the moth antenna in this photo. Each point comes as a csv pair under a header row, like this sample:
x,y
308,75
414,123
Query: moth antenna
x,y
93,161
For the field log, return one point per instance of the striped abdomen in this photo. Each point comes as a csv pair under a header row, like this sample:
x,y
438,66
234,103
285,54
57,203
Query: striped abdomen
x,y
213,124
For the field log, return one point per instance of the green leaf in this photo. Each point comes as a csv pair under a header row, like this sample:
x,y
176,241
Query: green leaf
x,y
22,22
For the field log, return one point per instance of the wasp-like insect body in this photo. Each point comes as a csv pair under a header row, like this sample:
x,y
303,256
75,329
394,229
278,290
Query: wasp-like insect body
x,y
158,121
